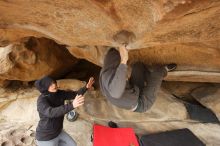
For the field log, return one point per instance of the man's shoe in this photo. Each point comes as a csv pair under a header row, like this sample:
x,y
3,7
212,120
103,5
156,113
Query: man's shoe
x,y
171,67
112,124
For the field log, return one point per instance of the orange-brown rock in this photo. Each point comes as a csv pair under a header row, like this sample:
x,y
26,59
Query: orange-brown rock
x,y
33,59
164,31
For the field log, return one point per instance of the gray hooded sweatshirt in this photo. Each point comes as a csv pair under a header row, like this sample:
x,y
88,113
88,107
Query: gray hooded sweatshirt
x,y
113,82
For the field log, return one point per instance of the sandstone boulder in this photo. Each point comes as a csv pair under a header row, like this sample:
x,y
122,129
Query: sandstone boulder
x,y
33,59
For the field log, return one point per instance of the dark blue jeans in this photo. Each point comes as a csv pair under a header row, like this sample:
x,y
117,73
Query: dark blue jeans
x,y
63,139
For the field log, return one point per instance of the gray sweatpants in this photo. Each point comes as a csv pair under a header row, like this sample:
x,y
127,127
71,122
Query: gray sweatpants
x,y
153,76
63,139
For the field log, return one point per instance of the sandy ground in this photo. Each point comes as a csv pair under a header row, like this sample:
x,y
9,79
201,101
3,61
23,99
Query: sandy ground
x,y
23,134
166,114
17,134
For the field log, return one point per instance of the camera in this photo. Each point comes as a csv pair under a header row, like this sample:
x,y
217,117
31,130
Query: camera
x,y
72,115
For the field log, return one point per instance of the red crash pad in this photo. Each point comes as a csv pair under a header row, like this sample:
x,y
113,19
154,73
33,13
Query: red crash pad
x,y
106,136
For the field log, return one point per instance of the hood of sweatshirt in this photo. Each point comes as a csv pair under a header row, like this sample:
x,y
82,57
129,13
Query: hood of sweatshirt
x,y
43,84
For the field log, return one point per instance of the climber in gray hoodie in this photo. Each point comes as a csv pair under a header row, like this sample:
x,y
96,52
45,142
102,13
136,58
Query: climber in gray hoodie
x,y
138,93
51,109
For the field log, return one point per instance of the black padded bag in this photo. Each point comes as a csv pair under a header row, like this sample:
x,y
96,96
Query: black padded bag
x,y
202,114
180,137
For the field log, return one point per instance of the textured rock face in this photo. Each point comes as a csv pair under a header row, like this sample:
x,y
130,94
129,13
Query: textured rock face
x,y
186,32
33,58
43,37
166,114
94,22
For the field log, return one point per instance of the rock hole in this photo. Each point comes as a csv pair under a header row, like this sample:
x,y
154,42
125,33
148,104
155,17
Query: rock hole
x,y
6,143
27,140
124,37
31,43
32,134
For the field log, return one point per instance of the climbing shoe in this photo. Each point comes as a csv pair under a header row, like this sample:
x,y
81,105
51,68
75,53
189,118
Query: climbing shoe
x,y
170,67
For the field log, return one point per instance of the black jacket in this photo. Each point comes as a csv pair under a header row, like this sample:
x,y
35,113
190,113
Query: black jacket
x,y
51,109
